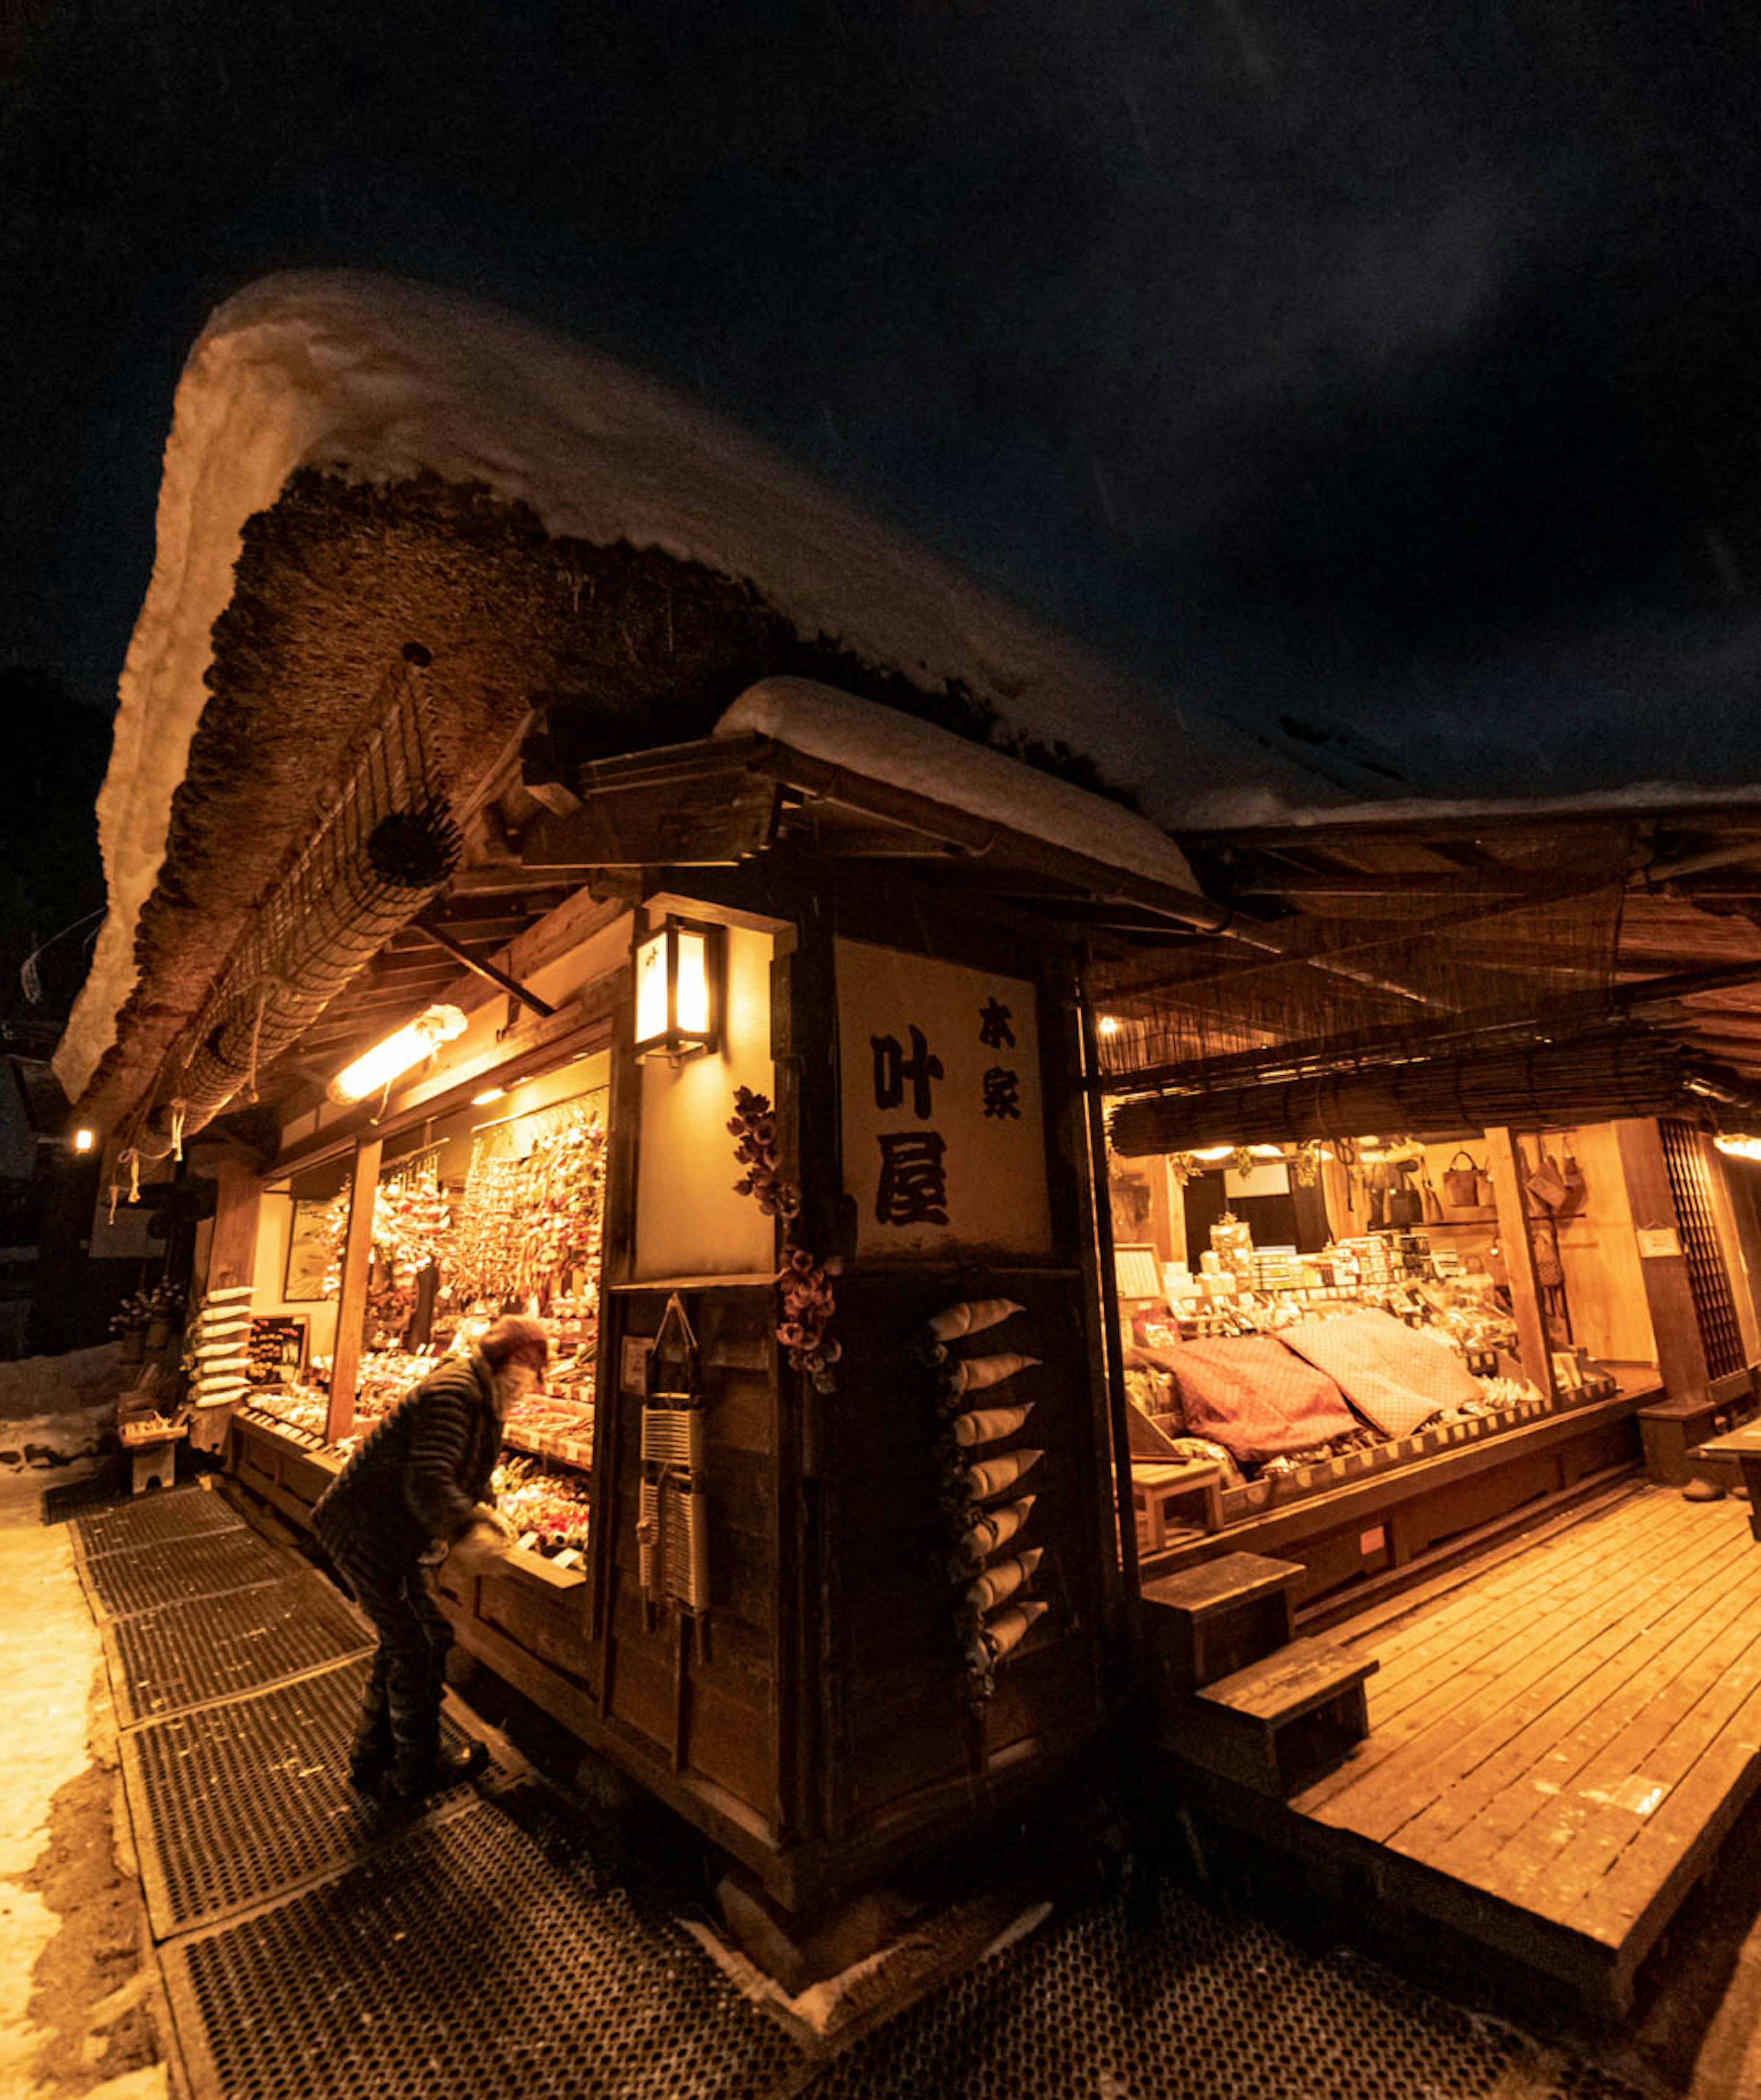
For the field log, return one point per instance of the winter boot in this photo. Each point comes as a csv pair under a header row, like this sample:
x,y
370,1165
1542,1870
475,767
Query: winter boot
x,y
413,1780
370,1754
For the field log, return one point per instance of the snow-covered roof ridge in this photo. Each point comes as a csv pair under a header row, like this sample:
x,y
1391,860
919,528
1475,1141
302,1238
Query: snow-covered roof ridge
x,y
1244,811
878,742
379,379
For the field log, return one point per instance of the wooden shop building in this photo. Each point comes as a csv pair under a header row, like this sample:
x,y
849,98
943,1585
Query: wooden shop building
x,y
547,919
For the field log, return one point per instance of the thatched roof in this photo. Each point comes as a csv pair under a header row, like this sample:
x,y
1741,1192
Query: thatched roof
x,y
355,465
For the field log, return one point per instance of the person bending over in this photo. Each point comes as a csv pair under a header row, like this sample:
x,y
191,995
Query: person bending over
x,y
417,1483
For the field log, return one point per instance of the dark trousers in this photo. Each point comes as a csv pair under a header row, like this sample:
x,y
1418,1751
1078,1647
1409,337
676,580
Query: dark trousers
x,y
400,1716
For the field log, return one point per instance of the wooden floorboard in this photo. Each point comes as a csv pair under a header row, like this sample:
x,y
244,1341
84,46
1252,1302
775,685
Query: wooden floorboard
x,y
1566,1735
1477,1662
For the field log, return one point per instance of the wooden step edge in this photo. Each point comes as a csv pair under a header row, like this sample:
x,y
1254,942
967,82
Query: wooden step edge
x,y
1333,1670
1275,1576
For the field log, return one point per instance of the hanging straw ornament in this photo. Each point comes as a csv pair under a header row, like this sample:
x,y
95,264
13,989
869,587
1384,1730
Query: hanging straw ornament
x,y
180,1109
990,1425
116,1191
973,1374
970,1316
133,1158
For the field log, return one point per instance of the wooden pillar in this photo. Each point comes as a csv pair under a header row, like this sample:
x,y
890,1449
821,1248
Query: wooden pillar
x,y
1674,1322
352,1305
232,1251
1533,1344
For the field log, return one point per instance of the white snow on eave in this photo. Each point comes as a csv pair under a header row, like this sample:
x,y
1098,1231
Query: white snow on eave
x,y
1244,811
379,379
880,744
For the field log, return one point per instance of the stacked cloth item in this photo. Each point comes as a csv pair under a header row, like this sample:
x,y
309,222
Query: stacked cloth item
x,y
1248,1393
223,1338
1396,1377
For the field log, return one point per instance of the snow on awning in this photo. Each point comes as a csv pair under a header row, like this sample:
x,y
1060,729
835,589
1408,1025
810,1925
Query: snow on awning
x,y
867,742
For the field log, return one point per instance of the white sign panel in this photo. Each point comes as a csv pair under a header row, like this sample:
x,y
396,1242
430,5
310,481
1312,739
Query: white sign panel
x,y
944,1126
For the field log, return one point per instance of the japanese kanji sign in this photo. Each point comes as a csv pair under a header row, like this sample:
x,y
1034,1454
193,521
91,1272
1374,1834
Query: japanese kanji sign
x,y
944,1134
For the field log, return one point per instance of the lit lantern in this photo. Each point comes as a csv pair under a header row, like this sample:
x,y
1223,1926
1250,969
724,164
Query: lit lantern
x,y
677,1005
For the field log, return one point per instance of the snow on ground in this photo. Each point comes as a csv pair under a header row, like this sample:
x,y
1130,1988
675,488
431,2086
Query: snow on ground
x,y
882,745
377,379
61,1405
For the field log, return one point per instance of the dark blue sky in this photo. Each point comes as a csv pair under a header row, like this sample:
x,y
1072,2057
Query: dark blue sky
x,y
1398,366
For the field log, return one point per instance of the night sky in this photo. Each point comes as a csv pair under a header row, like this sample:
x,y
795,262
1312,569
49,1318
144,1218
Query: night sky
x,y
1398,367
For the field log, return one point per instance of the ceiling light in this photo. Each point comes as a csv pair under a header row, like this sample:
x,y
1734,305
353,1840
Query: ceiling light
x,y
84,1140
489,1094
383,1063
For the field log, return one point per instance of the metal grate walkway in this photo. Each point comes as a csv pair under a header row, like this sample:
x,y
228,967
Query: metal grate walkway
x,y
498,1949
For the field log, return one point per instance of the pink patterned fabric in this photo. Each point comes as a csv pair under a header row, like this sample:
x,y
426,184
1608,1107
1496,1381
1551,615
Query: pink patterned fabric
x,y
1395,1377
1248,1393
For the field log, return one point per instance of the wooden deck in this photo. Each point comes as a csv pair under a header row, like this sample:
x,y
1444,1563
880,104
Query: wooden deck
x,y
1560,1737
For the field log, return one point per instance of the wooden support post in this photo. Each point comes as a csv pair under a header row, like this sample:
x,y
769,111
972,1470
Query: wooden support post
x,y
232,1251
352,1305
1533,1344
1674,1322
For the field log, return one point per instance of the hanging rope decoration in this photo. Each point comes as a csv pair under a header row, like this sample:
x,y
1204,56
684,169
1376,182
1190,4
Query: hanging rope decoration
x,y
131,1158
179,1111
387,844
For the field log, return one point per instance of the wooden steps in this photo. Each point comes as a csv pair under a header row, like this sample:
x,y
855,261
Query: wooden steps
x,y
1560,1740
1277,1723
1232,1692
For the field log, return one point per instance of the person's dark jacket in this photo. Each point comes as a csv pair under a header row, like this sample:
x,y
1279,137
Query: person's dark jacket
x,y
418,1477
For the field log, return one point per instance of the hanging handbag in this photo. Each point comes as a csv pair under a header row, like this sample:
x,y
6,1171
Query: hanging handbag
x,y
1404,1207
1461,1182
1576,1189
1547,1271
1433,1209
1547,1185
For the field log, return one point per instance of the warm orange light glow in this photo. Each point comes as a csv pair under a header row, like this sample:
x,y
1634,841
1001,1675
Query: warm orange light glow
x,y
382,1064
1740,1147
676,990
84,1140
1109,1024
489,1094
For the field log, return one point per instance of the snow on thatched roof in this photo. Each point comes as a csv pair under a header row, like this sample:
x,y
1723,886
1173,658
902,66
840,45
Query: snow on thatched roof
x,y
379,381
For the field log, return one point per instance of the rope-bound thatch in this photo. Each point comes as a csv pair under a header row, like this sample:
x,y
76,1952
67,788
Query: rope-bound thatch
x,y
388,845
1541,1085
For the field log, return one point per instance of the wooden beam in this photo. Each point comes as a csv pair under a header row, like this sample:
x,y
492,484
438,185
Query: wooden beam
x,y
232,1251
1675,1323
1533,1344
351,1305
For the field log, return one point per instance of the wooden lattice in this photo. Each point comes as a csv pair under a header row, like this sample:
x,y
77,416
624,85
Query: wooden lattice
x,y
1708,1280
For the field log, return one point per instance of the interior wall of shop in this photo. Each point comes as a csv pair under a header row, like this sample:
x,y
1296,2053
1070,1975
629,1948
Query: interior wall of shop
x,y
689,1220
269,1279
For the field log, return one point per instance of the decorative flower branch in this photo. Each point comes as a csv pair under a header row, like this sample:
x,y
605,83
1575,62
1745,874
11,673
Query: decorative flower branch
x,y
805,1300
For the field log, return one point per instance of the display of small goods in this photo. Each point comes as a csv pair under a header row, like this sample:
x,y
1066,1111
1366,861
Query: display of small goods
x,y
985,1478
528,1227
549,1512
275,1349
413,1218
219,1349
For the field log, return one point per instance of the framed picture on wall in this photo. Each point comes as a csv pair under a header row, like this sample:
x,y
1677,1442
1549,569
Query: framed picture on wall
x,y
309,1251
1138,1273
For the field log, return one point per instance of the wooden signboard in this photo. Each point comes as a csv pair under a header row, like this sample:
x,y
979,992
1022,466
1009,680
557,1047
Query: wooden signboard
x,y
943,1125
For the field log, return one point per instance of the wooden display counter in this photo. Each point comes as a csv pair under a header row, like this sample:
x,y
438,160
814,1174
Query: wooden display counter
x,y
1375,1534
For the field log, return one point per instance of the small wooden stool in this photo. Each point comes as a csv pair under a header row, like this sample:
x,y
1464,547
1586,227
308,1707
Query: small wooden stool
x,y
155,1465
1183,1495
